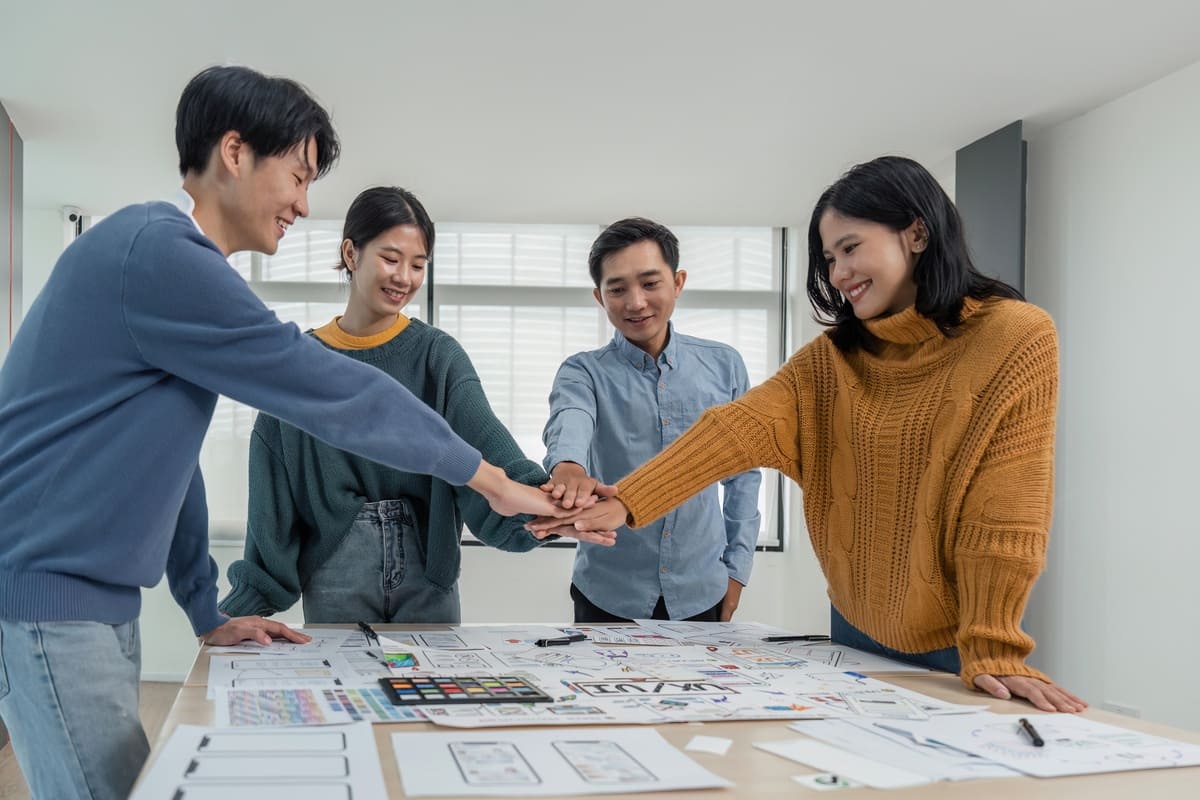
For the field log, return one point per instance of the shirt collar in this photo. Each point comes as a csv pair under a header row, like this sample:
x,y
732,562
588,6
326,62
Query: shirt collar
x,y
640,358
187,204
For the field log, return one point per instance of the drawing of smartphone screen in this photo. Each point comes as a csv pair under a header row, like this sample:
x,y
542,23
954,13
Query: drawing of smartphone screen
x,y
603,762
258,791
493,764
880,704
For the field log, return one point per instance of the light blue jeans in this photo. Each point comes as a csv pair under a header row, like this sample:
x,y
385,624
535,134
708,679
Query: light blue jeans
x,y
377,574
69,696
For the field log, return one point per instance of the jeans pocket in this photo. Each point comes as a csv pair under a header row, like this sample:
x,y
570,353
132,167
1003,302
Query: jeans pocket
x,y
3,669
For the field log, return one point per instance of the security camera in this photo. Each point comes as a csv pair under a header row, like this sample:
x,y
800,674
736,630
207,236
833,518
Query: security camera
x,y
72,214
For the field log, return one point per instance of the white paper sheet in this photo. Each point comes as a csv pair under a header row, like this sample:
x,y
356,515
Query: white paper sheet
x,y
549,762
1074,745
879,741
329,763
826,758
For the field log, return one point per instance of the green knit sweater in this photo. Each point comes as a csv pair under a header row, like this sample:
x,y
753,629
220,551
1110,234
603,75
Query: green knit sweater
x,y
304,494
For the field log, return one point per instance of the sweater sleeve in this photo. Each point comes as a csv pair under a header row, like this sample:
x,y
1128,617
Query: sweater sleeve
x,y
1000,547
760,429
189,314
740,503
191,571
267,577
471,416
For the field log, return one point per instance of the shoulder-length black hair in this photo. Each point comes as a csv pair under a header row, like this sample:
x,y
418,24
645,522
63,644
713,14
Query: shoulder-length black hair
x,y
895,192
272,115
380,209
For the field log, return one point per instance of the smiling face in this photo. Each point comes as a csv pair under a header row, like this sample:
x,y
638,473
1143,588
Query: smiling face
x,y
266,196
638,292
385,274
871,264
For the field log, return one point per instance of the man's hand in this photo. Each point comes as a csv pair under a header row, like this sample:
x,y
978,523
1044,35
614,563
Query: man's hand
x,y
603,538
732,595
570,484
1046,696
256,629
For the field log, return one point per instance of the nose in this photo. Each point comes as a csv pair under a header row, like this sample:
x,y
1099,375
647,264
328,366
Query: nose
x,y
839,272
301,204
402,275
635,298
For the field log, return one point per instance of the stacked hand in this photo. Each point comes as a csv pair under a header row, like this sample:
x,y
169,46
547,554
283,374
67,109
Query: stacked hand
x,y
509,498
584,507
1046,696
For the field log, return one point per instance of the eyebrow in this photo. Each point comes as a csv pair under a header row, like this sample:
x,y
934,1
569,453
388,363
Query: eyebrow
x,y
397,250
649,273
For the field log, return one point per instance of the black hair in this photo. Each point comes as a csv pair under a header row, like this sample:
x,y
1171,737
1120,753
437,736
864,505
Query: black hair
x,y
896,192
272,115
629,231
380,209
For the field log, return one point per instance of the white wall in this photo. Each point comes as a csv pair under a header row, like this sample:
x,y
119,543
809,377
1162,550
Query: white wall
x,y
43,241
1112,254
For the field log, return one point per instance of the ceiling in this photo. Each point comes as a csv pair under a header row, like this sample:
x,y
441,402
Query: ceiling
x,y
576,111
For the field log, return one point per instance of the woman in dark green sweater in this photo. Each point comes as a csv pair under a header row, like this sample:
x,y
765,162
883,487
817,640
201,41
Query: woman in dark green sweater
x,y
357,540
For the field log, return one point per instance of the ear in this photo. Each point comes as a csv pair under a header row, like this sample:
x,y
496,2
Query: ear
x,y
917,236
233,153
349,254
680,280
599,299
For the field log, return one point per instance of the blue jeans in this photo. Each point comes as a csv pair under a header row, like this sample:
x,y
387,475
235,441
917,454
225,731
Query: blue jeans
x,y
377,574
842,632
69,696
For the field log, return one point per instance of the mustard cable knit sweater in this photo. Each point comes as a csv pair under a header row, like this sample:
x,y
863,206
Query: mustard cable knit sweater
x,y
927,471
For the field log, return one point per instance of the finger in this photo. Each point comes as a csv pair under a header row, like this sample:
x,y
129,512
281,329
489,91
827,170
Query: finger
x,y
279,630
602,538
992,686
568,498
585,501
605,490
559,490
260,636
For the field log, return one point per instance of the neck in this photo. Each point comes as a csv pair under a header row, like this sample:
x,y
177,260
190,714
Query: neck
x,y
208,212
654,347
362,323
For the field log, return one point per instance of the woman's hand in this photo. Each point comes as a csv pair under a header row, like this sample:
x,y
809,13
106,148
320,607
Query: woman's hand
x,y
1044,696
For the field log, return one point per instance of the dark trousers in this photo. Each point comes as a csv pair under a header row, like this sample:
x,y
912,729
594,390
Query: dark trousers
x,y
587,611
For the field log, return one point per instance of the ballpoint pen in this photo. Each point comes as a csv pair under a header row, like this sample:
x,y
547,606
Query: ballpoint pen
x,y
806,637
574,637
1032,732
368,632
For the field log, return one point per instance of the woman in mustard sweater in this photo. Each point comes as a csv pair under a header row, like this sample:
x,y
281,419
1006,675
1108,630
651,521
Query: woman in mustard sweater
x,y
920,426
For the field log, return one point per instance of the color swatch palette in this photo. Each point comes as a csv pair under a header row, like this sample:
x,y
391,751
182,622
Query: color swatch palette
x,y
441,690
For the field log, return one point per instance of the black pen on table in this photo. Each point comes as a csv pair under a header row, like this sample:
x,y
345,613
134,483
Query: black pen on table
x,y
1033,734
574,637
806,637
368,632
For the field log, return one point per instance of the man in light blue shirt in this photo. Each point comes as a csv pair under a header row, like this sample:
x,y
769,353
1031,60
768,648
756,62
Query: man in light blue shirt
x,y
613,409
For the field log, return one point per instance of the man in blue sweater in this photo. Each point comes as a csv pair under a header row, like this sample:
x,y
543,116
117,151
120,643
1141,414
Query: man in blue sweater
x,y
106,395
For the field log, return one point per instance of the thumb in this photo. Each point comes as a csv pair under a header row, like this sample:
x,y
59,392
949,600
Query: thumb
x,y
991,685
605,490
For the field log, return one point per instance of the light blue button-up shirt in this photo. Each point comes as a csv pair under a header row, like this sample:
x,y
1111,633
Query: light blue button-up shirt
x,y
613,409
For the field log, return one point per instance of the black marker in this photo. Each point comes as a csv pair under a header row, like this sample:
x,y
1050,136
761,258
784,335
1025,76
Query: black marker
x,y
368,632
1033,734
807,637
574,637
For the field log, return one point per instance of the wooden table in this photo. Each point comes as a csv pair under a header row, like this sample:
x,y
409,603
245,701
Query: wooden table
x,y
756,773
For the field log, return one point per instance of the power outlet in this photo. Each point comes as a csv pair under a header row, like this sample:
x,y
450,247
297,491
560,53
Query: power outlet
x,y
1122,709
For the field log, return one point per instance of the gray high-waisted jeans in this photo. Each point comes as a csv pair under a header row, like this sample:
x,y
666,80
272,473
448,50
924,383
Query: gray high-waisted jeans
x,y
377,574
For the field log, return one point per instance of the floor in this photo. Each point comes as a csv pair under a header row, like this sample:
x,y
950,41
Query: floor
x,y
156,700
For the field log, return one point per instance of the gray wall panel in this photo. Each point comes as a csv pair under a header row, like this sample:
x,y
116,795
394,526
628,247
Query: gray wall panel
x,y
989,188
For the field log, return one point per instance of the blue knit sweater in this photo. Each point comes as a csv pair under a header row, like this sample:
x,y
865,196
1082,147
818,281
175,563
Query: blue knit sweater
x,y
106,394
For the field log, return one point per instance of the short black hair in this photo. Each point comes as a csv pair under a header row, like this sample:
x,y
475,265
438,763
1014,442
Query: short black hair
x,y
896,191
629,231
272,115
380,209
